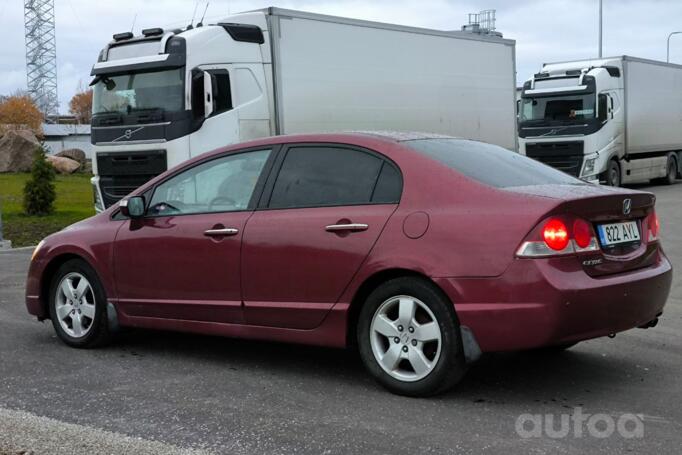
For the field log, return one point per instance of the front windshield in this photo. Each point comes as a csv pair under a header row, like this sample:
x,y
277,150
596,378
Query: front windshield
x,y
558,109
128,93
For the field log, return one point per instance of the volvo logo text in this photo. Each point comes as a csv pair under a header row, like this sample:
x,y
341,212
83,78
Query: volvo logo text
x,y
627,206
128,134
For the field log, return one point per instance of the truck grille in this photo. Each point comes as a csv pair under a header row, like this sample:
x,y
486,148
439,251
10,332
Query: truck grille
x,y
122,172
565,156
115,188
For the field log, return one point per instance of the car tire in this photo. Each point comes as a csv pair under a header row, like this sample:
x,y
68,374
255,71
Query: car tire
x,y
420,349
77,305
612,176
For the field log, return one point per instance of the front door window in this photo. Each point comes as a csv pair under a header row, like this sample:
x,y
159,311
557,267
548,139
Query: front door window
x,y
221,185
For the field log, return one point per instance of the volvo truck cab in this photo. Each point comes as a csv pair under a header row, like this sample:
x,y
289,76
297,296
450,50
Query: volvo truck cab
x,y
572,119
615,120
158,101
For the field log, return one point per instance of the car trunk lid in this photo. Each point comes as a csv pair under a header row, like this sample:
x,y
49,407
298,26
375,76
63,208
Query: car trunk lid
x,y
601,207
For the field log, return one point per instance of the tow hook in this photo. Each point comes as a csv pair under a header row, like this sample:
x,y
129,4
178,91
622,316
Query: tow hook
x,y
649,324
612,335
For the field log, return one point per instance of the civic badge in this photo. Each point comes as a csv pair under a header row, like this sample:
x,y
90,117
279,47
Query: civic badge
x,y
627,206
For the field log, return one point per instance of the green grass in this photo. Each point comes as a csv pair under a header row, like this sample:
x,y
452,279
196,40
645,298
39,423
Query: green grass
x,y
74,203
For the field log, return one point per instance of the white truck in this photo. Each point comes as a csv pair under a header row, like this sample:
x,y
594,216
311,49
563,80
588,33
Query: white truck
x,y
611,120
168,95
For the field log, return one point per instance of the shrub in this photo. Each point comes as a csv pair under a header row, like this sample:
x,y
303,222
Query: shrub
x,y
20,112
39,192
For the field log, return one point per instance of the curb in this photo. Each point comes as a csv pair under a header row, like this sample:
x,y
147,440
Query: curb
x,y
10,249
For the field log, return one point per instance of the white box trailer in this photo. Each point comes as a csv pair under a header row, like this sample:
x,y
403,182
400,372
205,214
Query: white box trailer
x,y
653,106
615,120
342,74
277,71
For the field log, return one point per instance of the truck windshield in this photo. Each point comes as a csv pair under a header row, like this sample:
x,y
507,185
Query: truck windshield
x,y
149,91
558,109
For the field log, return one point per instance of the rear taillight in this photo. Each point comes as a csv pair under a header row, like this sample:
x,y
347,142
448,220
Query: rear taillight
x,y
557,236
652,226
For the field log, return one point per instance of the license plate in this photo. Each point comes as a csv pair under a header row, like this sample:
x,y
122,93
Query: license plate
x,y
615,233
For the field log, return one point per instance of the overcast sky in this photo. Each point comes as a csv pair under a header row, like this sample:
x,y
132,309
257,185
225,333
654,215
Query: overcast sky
x,y
544,30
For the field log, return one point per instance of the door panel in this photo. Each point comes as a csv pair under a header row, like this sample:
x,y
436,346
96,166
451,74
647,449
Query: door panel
x,y
166,267
294,269
182,261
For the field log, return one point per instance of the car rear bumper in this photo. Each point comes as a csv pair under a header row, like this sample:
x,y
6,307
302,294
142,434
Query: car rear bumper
x,y
542,302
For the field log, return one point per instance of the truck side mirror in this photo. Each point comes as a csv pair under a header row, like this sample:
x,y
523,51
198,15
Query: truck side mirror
x,y
602,107
197,93
208,94
132,207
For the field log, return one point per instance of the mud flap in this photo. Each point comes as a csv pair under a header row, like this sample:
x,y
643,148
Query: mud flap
x,y
472,352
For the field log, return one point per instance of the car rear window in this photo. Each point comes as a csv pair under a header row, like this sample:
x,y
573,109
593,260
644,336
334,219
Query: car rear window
x,y
490,164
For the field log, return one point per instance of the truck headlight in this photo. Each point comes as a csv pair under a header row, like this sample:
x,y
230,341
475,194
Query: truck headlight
x,y
588,169
99,205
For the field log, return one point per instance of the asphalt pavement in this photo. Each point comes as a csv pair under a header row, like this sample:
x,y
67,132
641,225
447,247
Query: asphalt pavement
x,y
157,392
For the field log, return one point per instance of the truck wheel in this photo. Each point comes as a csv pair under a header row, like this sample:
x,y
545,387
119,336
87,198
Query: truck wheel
x,y
671,176
409,338
612,174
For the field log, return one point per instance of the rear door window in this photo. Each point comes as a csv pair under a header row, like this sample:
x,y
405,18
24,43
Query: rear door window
x,y
389,185
318,176
490,164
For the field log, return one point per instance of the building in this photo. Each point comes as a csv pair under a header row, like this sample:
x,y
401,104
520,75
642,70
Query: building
x,y
60,137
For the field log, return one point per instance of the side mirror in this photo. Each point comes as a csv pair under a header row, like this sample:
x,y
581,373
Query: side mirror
x,y
602,108
132,207
208,94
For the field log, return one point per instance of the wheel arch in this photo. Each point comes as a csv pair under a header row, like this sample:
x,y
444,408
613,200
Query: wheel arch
x,y
48,273
370,284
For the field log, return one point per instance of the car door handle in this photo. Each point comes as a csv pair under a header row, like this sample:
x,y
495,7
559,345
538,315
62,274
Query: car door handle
x,y
221,232
347,227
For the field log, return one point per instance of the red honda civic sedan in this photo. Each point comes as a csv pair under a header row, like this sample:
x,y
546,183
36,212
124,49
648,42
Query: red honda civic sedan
x,y
422,250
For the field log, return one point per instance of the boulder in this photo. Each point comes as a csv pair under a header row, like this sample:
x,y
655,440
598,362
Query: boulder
x,y
16,151
63,165
87,167
74,154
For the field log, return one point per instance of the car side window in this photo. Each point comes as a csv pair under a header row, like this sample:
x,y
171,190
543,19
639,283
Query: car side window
x,y
389,187
221,185
314,176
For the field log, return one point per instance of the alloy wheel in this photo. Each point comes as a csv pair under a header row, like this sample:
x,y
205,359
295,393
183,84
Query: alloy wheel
x,y
75,305
405,338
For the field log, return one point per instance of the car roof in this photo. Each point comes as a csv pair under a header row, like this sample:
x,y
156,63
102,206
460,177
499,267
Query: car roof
x,y
402,136
362,138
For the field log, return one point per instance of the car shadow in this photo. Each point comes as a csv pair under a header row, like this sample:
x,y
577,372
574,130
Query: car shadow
x,y
526,376
650,185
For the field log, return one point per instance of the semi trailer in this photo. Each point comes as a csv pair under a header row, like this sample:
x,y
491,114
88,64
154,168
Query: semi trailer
x,y
612,120
168,95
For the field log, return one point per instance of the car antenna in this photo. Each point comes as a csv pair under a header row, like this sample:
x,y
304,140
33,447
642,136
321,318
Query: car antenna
x,y
191,24
201,22
133,26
